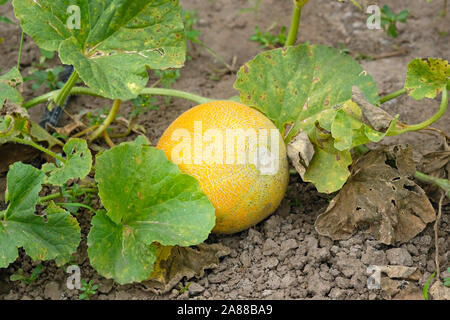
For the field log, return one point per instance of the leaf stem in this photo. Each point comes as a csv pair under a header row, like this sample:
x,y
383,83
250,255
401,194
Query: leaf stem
x,y
58,195
444,184
19,57
111,116
393,95
80,205
65,91
295,22
40,148
87,91
428,122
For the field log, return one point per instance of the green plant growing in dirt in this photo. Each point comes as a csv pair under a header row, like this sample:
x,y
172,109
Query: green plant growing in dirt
x,y
88,289
48,78
426,287
390,19
255,4
20,276
190,19
185,288
147,205
143,104
3,18
269,40
447,280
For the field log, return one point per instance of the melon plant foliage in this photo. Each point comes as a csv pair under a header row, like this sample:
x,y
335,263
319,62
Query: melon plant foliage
x,y
114,42
147,200
149,206
308,89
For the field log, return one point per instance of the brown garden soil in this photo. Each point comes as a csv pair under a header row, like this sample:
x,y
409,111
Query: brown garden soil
x,y
283,257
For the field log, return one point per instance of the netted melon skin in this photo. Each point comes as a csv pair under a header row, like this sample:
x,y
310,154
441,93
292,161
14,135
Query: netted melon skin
x,y
240,193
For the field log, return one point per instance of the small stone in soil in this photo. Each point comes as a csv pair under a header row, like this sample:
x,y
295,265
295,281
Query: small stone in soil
x,y
52,291
195,289
399,256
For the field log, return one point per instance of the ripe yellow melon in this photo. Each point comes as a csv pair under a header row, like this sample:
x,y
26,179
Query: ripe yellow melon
x,y
237,155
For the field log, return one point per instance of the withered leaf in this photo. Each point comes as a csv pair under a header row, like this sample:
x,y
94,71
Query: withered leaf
x,y
372,115
174,263
401,272
300,151
380,198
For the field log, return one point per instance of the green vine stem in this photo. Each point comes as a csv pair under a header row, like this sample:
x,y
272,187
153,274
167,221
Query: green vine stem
x,y
426,123
176,94
111,116
19,57
444,184
79,205
295,22
65,91
58,195
40,148
147,91
393,95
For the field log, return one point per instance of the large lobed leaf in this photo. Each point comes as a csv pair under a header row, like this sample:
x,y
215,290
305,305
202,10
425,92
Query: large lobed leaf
x,y
55,237
292,85
309,89
116,40
78,163
147,200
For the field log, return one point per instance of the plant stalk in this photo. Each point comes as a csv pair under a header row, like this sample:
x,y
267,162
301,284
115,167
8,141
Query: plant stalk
x,y
444,184
295,22
111,116
58,195
19,57
428,122
40,148
65,91
89,92
393,95
79,205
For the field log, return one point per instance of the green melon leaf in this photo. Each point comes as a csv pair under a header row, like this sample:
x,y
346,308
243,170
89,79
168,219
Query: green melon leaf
x,y
292,85
118,252
328,170
147,199
13,126
109,43
309,89
349,131
426,78
55,236
9,85
78,165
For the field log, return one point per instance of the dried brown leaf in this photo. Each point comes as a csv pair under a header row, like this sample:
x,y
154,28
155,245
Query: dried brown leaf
x,y
175,263
401,272
300,151
372,115
380,198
